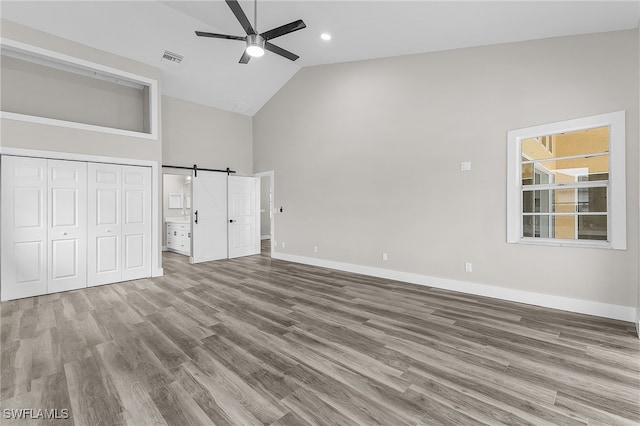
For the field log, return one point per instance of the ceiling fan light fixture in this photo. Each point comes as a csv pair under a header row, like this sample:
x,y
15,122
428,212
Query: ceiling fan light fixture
x,y
255,45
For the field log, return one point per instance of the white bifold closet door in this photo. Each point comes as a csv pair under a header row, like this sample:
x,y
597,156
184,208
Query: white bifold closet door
x,y
105,224
43,226
244,216
119,223
24,227
67,234
136,222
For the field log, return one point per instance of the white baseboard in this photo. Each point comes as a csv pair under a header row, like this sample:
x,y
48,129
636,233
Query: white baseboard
x,y
164,248
265,237
624,313
638,321
157,272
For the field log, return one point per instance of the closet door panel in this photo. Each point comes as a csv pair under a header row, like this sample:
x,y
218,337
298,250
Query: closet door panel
x,y
105,224
136,225
67,235
24,227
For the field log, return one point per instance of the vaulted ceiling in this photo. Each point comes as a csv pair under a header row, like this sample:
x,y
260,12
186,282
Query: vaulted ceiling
x,y
210,73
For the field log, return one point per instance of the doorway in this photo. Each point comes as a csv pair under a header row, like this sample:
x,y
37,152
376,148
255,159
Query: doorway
x,y
267,211
176,213
210,215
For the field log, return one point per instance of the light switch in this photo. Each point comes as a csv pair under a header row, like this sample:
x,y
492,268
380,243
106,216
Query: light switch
x,y
465,166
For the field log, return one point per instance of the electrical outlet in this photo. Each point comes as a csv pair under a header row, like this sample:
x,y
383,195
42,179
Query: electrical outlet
x,y
468,267
465,166
315,249
385,257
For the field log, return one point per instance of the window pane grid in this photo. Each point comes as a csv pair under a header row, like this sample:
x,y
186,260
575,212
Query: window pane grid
x,y
566,157
564,186
576,185
566,214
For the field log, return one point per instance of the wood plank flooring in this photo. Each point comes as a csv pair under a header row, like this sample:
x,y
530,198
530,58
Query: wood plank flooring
x,y
256,341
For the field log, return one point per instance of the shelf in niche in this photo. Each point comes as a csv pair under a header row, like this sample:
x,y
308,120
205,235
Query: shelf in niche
x,y
85,71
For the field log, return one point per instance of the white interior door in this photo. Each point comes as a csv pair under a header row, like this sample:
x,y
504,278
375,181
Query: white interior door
x,y
24,227
209,223
244,216
136,222
104,261
67,234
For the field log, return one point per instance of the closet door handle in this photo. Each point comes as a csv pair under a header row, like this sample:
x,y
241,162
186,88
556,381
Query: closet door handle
x,y
231,220
196,213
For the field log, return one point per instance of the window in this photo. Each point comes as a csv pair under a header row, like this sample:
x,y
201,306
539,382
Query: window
x,y
566,183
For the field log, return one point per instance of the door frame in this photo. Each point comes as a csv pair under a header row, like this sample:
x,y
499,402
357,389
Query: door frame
x,y
156,265
271,175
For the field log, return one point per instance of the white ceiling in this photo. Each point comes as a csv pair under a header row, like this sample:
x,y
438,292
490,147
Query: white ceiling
x,y
363,29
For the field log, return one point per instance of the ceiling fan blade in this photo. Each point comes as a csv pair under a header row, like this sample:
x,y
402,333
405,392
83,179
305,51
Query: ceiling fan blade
x,y
244,59
240,16
284,29
280,51
225,36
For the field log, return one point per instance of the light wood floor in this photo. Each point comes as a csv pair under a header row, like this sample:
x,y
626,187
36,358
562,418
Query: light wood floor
x,y
256,341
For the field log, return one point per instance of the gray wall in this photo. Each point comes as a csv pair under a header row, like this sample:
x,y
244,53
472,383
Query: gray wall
x,y
367,160
34,89
206,136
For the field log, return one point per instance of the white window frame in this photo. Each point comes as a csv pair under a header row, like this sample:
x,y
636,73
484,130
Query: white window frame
x,y
616,201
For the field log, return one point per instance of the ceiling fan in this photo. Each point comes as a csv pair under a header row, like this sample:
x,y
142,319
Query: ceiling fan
x,y
257,43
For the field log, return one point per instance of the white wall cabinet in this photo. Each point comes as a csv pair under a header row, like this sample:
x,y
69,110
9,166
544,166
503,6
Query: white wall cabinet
x,y
69,224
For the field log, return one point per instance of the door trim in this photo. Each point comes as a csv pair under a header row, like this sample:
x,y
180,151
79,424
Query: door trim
x,y
156,265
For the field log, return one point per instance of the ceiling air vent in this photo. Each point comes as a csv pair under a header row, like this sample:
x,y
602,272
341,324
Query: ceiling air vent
x,y
171,58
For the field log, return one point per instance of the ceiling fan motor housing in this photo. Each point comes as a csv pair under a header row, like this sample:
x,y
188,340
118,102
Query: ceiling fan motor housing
x,y
255,45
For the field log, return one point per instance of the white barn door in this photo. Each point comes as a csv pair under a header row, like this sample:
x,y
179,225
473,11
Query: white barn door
x,y
24,227
209,223
105,224
136,222
67,233
244,216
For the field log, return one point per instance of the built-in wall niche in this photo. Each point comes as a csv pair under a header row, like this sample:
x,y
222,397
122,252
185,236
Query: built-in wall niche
x,y
47,87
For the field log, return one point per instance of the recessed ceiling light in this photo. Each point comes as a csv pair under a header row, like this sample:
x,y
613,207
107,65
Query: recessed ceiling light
x,y
325,36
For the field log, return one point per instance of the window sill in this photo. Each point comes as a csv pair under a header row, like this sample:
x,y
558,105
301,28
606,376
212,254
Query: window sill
x,y
568,243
